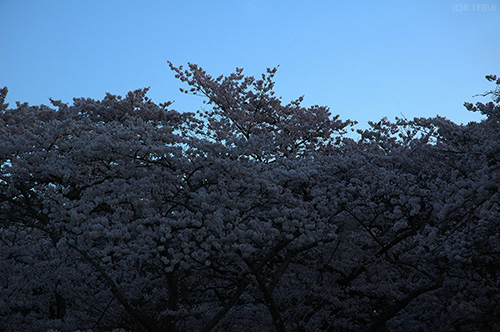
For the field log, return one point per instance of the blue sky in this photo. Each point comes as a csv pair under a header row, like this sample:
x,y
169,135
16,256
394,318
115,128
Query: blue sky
x,y
364,59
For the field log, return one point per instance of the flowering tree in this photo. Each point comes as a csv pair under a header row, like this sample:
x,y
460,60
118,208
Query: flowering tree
x,y
248,117
253,215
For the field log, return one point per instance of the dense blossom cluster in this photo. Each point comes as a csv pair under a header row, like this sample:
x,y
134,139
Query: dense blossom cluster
x,y
122,214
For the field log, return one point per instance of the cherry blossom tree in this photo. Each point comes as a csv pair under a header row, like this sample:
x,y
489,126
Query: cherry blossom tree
x,y
253,215
248,117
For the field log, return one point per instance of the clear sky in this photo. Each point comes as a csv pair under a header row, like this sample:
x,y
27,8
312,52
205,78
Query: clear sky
x,y
364,59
